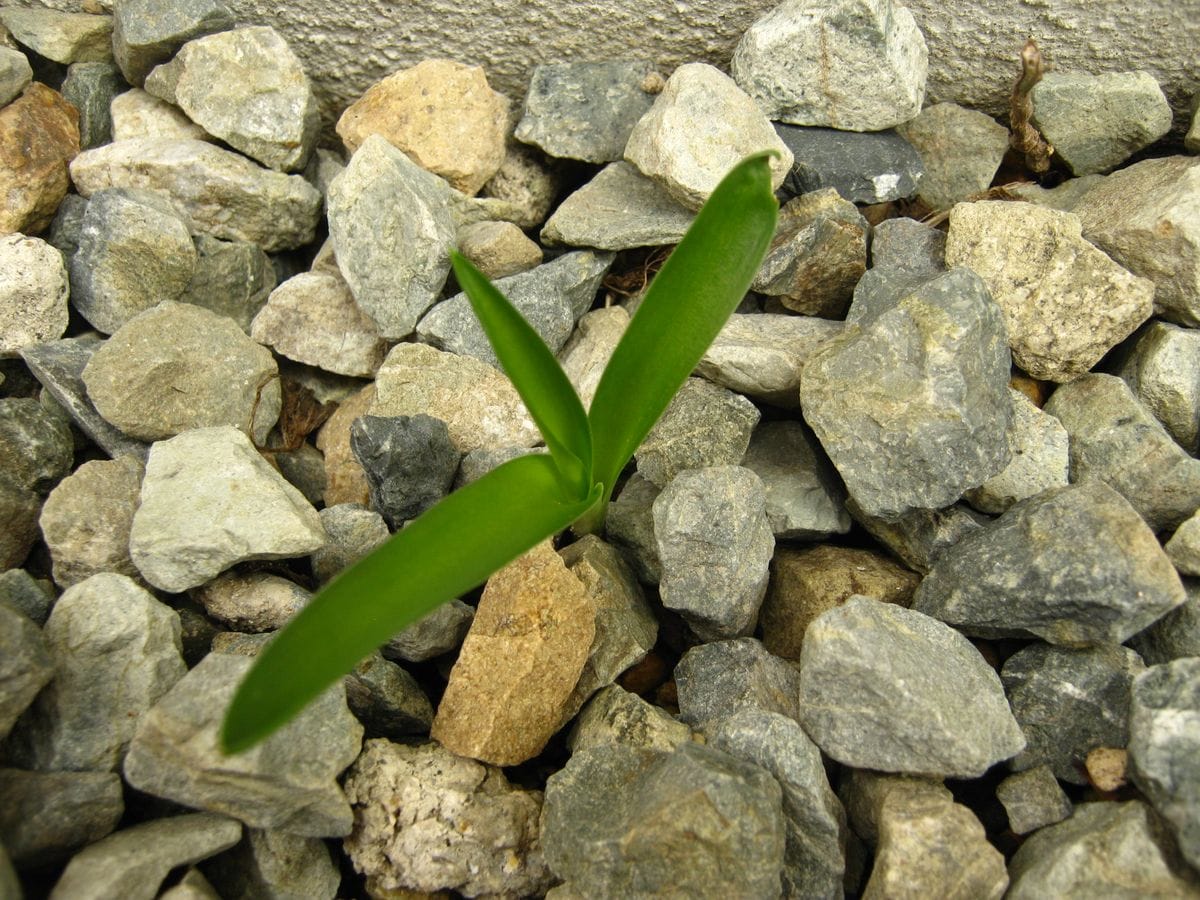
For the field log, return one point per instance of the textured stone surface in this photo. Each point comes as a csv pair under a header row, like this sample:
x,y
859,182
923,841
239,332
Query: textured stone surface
x,y
36,449
254,601
1158,367
438,632
137,114
61,37
527,183
804,498
409,461
345,481
19,507
15,74
1176,634
630,526
1033,799
47,815
960,148
615,716
25,667
26,594
1065,303
33,293
148,32
233,278
351,532
39,136
387,700
1184,547
718,679
273,863
864,168
907,245
90,88
498,249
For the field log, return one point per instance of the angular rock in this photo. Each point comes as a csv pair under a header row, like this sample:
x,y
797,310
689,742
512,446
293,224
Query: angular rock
x,y
1175,635
804,498
630,527
36,449
33,293
232,278
409,461
871,70
498,249
931,371
90,87
387,700
527,183
46,816
351,532
1183,548
15,74
148,32
615,716
246,87
1065,303
25,668
438,632
137,114
1066,197
345,481
254,602
177,367
700,126
288,781
961,149
192,886
906,245
864,168
870,699
223,194
1096,122
864,793
39,136
61,36
273,863
1033,799
67,224
242,510
1156,368
587,351
718,679
19,509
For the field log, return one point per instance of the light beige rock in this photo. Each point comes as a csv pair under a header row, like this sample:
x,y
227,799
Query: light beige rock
x,y
62,37
520,662
527,183
498,249
33,293
345,480
137,114
587,352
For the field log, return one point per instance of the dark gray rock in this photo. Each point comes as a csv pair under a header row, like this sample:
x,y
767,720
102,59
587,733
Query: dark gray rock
x,y
1158,367
630,527
36,448
1033,799
871,167
919,537
441,631
46,816
907,245
1074,566
25,666
90,87
273,864
148,32
387,700
1176,634
805,500
19,508
26,594
351,532
409,462
615,716
67,225
1069,702
716,680
233,278
870,699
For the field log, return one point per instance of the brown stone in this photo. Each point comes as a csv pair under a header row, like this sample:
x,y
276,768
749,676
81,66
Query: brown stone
x,y
805,583
520,662
345,481
39,136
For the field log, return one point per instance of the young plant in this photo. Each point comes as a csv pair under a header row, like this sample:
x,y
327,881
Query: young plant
x,y
454,546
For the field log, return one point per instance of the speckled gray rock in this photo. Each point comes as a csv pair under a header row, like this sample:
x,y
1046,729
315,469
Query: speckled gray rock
x,y
392,231
1065,302
587,351
586,110
254,601
700,126
91,87
870,699
409,462
1074,566
387,700
1102,850
351,532
1069,702
1033,799
19,509
222,193
615,716
906,245
441,631
716,680
148,32
33,293
931,371
805,500
864,168
630,527
47,815
36,449
60,36
1164,747
961,149
15,74
246,87
1175,635
240,509
272,863
232,278
622,822
426,820
1114,439
25,666
1096,122
871,70
551,297
715,544
288,781
136,114
527,183
177,367
1159,366
1184,547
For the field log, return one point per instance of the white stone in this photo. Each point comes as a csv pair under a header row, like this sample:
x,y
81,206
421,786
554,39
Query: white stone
x,y
33,293
136,114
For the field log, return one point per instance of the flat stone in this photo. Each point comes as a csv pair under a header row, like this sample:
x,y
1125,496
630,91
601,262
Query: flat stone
x,y
254,601
586,110
1096,122
409,461
1033,799
222,193
1156,366
15,74
616,716
1175,635
526,183
36,449
47,815
961,149
1074,566
247,88
931,370
700,127
1065,302
137,114
231,278
870,699
585,355
61,36
498,249
39,136
871,70
630,526
33,293
875,167
289,781
718,679
91,87
240,509
25,668
148,32
177,367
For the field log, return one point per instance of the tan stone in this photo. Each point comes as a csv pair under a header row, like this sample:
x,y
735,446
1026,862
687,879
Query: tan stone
x,y
586,354
39,136
805,583
498,249
442,114
345,480
1107,768
137,114
519,663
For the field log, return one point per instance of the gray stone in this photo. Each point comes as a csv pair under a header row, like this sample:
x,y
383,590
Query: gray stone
x,y
870,699
25,667
392,231
1114,439
1160,366
1066,303
700,127
85,520
498,249
961,149
622,822
1065,197
527,183
67,225
273,865
1096,122
717,680
46,816
880,289
1074,566
254,601
815,823
387,700
304,468
715,544
1175,635
351,532
409,462
26,594
551,297
288,781
91,87
1103,850
240,509
616,716
19,508
15,74
585,355
1164,747
222,193
36,448
232,278
60,36
116,651
703,426
427,820
1033,799
148,32
33,293
871,70
930,372
137,114
134,862
176,367
586,110
246,87
906,245
1068,703
477,463
619,209
438,632
875,167
630,527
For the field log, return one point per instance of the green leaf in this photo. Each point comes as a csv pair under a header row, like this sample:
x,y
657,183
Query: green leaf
x,y
532,368
450,549
688,303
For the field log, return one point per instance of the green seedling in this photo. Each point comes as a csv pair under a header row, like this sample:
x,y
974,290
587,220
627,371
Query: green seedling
x,y
454,546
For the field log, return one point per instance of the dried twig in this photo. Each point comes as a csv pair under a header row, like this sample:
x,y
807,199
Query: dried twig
x,y
1025,138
